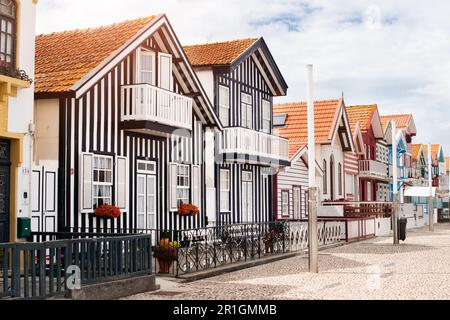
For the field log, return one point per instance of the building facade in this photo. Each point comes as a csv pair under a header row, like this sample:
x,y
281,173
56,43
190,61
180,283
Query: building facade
x,y
333,140
242,79
373,168
17,26
124,118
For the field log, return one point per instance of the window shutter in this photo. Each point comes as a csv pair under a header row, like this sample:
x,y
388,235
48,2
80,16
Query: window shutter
x,y
86,181
173,170
196,186
121,184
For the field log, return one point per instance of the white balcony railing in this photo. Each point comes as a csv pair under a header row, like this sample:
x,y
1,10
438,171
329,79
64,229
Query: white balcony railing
x,y
373,169
143,102
246,141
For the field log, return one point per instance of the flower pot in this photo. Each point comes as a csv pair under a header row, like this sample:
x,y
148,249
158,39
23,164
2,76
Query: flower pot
x,y
164,266
165,242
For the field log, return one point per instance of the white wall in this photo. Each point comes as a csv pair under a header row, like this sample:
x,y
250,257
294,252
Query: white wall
x,y
47,132
206,77
325,154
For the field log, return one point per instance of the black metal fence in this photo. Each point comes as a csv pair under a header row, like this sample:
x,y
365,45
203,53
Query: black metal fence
x,y
40,270
178,252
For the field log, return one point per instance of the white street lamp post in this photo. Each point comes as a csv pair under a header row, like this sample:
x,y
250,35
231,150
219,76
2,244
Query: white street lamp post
x,y
394,184
313,194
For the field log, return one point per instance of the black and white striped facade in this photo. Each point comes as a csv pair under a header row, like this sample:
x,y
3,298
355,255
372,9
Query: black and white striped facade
x,y
255,74
90,124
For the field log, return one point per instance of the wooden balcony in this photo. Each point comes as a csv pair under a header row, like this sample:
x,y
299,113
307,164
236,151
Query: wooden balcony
x,y
250,146
373,169
149,109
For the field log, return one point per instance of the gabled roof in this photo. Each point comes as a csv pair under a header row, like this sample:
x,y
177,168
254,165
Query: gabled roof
x,y
72,61
436,151
218,53
63,58
302,151
230,54
402,121
362,114
368,117
327,113
296,129
416,150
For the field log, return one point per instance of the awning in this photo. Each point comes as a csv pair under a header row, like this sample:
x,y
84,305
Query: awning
x,y
419,192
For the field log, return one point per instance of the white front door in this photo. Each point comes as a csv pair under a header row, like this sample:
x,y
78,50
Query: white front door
x,y
44,201
247,197
146,201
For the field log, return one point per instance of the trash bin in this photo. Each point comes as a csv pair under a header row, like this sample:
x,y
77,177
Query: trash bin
x,y
402,223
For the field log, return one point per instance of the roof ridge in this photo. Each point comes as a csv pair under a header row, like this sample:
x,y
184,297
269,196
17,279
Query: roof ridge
x,y
303,102
219,42
106,26
363,105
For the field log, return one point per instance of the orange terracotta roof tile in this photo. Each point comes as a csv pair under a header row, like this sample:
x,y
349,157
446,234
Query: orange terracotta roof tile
x,y
434,150
219,53
63,58
362,114
401,120
296,129
294,148
447,163
415,150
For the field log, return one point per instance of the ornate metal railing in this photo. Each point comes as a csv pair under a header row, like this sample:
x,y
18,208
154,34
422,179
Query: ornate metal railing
x,y
178,252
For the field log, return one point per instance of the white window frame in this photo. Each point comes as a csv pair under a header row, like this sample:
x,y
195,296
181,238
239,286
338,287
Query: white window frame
x,y
139,71
147,164
285,203
183,188
225,191
224,105
100,184
266,116
246,110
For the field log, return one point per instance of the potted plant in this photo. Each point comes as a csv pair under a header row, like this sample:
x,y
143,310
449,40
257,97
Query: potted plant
x,y
107,211
188,210
166,255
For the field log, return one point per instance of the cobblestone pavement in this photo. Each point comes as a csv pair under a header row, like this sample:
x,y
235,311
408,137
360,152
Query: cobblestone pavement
x,y
417,269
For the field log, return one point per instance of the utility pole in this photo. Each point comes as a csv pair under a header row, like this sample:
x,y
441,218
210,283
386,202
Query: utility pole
x,y
394,184
313,194
430,198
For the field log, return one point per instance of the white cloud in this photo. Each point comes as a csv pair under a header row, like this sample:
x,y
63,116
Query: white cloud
x,y
394,53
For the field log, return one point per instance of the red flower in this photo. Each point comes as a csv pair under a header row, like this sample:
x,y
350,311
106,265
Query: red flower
x,y
187,210
107,211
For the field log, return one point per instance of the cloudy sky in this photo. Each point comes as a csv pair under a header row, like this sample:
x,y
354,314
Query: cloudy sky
x,y
393,53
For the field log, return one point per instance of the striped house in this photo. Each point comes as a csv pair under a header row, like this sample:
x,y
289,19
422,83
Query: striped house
x,y
333,140
123,116
351,163
242,79
373,163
